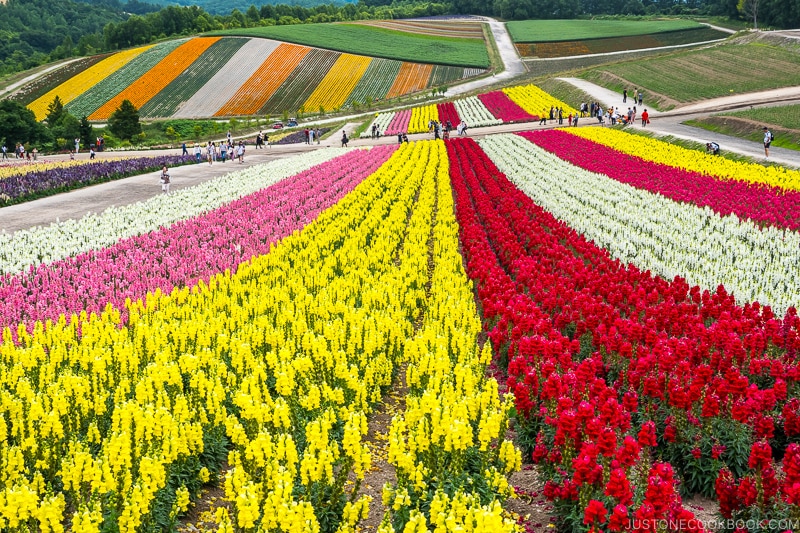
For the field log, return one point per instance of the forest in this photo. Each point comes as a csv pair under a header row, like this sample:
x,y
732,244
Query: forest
x,y
35,32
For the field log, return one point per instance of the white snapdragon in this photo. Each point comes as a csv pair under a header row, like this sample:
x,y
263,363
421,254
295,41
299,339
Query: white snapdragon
x,y
475,113
656,233
45,244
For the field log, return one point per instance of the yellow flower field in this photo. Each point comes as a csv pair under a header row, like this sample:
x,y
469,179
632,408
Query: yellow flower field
x,y
693,160
535,101
338,83
79,84
421,116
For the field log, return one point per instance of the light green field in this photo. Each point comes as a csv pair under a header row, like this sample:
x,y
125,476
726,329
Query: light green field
x,y
682,77
377,42
784,116
541,31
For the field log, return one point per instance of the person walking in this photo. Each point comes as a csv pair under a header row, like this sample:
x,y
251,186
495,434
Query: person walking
x,y
768,138
164,180
184,150
641,96
91,152
77,145
645,118
345,140
5,152
318,133
624,95
240,151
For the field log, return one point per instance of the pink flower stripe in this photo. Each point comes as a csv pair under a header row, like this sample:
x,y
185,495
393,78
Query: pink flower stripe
x,y
761,203
613,368
502,107
447,111
399,123
187,251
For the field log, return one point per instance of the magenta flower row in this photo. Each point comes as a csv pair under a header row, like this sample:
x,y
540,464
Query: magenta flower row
x,y
185,252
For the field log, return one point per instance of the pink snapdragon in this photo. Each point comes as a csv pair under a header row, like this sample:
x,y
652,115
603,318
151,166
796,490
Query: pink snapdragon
x,y
399,123
187,251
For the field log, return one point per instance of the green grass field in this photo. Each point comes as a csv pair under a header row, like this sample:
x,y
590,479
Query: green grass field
x,y
541,31
783,116
784,121
681,77
377,42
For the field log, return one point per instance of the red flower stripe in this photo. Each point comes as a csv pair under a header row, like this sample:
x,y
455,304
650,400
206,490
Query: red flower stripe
x,y
447,111
761,203
502,107
600,354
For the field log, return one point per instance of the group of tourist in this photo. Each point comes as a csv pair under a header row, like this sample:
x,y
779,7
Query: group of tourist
x,y
637,96
212,152
21,153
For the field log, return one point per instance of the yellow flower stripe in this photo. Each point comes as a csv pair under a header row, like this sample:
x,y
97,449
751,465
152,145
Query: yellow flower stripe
x,y
157,78
692,160
421,116
535,101
452,410
80,83
338,83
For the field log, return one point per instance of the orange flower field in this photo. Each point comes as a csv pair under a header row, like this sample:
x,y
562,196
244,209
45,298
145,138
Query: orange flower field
x,y
412,77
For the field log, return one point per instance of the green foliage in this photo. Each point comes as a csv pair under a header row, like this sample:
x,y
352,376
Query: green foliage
x,y
67,127
55,110
377,42
539,31
86,132
124,122
707,73
18,124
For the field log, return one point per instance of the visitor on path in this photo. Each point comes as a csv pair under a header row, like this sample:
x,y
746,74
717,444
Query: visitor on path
x,y
198,152
624,95
713,148
405,138
91,152
240,151
164,180
399,138
645,118
575,120
35,153
641,96
5,152
223,151
77,145
543,120
318,134
768,138
210,153
184,151
345,140
311,136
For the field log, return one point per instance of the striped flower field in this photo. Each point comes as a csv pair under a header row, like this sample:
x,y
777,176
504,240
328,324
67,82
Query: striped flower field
x,y
639,319
234,76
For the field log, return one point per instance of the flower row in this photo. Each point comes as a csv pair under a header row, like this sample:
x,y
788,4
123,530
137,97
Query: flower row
x,y
41,245
760,203
692,160
50,180
189,250
656,233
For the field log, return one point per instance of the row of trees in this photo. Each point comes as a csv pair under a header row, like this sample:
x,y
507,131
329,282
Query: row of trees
x,y
60,129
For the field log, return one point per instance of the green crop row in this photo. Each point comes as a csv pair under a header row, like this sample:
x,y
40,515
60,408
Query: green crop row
x,y
377,42
376,81
43,84
539,31
302,82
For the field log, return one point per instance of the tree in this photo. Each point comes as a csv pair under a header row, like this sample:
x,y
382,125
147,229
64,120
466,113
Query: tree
x,y
86,132
18,124
55,110
749,8
124,122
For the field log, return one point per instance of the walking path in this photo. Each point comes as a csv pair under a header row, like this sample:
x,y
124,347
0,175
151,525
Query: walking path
x,y
671,122
513,65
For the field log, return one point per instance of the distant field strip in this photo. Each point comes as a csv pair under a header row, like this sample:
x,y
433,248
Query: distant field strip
x,y
376,81
166,102
618,44
374,41
539,31
254,93
88,102
464,30
224,84
695,75
412,77
77,85
338,83
443,74
302,82
140,91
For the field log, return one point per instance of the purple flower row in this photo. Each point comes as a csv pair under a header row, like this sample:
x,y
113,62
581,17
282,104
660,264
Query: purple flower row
x,y
762,204
37,184
185,252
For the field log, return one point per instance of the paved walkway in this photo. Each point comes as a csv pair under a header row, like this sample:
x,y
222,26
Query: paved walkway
x,y
671,122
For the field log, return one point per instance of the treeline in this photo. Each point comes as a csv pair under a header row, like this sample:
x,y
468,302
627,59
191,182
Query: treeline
x,y
773,13
177,20
33,32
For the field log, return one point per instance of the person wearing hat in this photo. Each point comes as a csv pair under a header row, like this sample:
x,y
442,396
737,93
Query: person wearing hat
x,y
768,137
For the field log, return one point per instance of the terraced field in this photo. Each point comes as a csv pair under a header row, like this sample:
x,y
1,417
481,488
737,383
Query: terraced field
x,y
167,102
235,76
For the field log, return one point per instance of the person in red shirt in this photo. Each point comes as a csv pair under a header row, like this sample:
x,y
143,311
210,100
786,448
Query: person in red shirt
x,y
645,118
